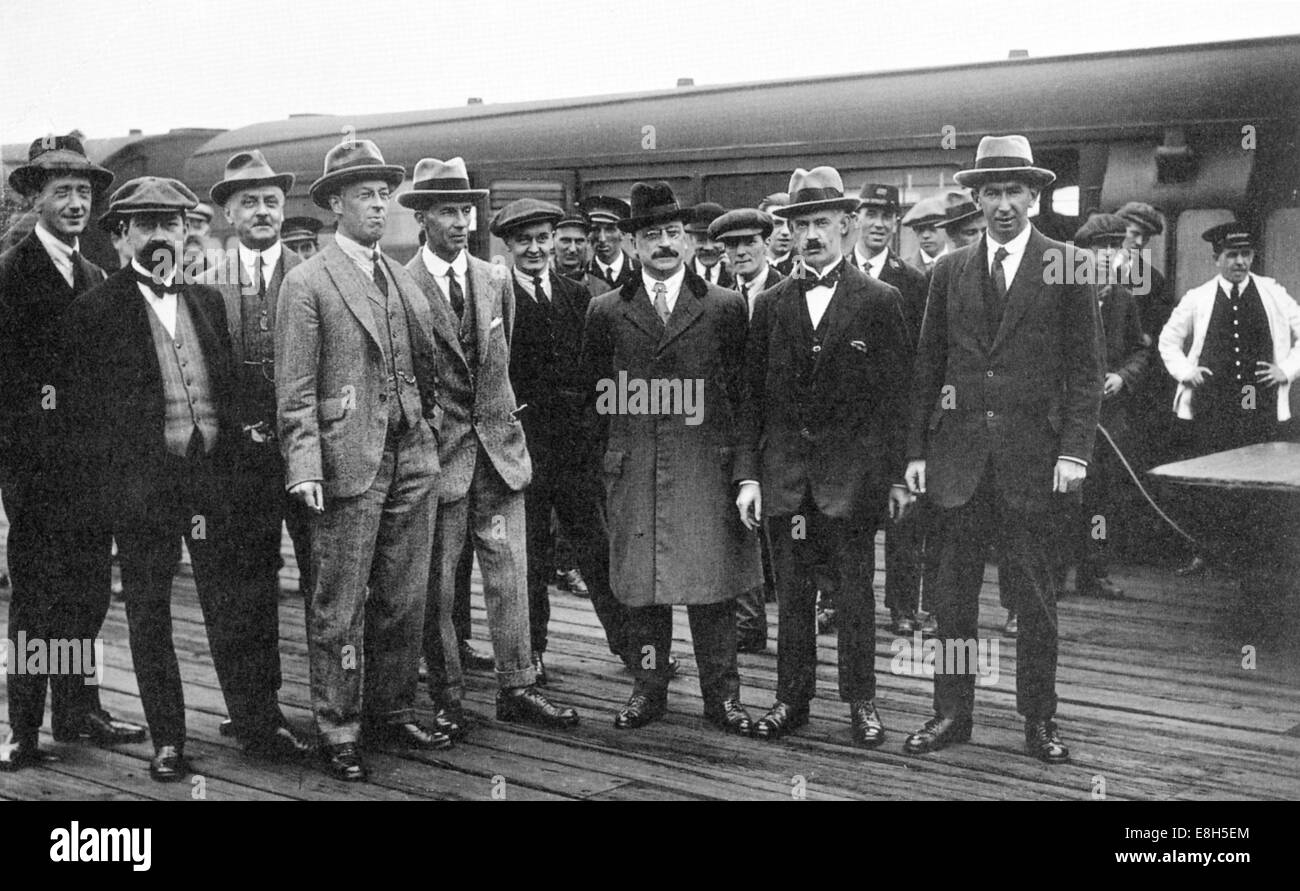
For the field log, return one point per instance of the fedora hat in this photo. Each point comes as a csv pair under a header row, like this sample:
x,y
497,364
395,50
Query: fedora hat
x,y
247,169
148,194
57,156
653,203
350,161
1004,157
818,189
960,213
436,181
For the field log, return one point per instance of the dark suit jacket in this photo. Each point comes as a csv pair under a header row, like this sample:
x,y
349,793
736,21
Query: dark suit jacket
x,y
834,423
1019,400
1126,354
34,296
771,278
547,376
912,286
115,401
597,285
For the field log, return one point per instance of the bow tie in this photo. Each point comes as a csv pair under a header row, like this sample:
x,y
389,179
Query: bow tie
x,y
159,289
829,280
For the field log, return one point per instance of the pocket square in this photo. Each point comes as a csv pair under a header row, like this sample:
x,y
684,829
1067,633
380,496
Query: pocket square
x,y
858,345
495,323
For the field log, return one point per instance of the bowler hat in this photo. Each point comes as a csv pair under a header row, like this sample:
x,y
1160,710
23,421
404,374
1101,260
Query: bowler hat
x,y
821,188
523,212
741,222
436,181
57,156
245,170
1230,236
349,161
1143,215
652,204
1003,158
702,215
148,194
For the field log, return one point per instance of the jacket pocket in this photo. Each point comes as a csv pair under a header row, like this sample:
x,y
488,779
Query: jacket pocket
x,y
332,409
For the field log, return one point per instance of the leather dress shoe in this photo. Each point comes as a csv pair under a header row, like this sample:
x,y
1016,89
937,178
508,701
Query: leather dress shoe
x,y
539,670
530,705
1197,566
930,626
408,735
754,644
640,710
15,755
1012,626
938,733
1044,743
343,762
729,715
780,719
472,660
102,729
168,765
281,742
902,623
867,728
451,721
1103,589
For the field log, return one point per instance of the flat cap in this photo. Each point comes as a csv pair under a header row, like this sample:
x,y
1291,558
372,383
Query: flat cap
x,y
150,194
1098,226
524,212
1144,215
740,222
931,211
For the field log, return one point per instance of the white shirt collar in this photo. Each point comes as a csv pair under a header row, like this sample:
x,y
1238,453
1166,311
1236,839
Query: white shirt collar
x,y
673,283
357,252
525,280
877,263
742,282
60,251
1227,285
1015,246
165,307
613,270
438,267
270,257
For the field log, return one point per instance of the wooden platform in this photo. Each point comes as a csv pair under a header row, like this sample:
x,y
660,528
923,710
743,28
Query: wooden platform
x,y
1155,704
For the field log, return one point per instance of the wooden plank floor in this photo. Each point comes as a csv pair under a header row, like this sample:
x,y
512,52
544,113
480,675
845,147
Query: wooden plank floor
x,y
1155,704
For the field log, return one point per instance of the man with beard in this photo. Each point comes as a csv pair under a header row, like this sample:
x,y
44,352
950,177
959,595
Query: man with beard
x,y
610,268
59,566
709,262
826,366
779,254
572,250
667,465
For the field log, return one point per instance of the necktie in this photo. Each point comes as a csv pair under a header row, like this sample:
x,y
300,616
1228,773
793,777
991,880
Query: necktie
x,y
829,280
539,293
661,301
79,282
381,280
455,294
259,281
999,295
158,288
1235,293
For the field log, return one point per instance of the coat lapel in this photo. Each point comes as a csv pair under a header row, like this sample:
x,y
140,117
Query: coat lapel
x,y
970,293
1022,290
688,308
839,312
638,310
441,321
481,285
352,287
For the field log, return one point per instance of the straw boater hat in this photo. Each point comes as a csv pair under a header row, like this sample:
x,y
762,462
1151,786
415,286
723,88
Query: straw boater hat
x,y
1002,158
652,204
245,170
818,189
436,181
148,194
57,156
350,161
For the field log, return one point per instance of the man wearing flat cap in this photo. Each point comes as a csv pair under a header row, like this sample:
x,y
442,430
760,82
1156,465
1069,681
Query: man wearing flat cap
x,y
252,195
924,219
572,250
545,347
610,266
779,254
1005,399
485,461
826,366
58,562
709,260
663,355
301,235
357,416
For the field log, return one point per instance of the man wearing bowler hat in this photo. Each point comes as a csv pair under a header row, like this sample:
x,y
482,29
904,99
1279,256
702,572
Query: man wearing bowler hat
x,y
251,195
709,260
485,460
1005,400
357,416
826,367
667,464
301,235
610,266
59,563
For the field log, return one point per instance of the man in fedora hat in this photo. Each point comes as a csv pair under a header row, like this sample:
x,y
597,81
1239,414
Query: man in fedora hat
x,y
1005,400
357,419
252,195
826,367
550,314
610,266
151,394
485,461
779,254
963,223
59,564
710,256
301,235
572,249
667,463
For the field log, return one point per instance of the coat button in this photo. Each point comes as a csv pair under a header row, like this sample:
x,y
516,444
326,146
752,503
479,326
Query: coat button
x,y
990,372
383,397
817,348
988,414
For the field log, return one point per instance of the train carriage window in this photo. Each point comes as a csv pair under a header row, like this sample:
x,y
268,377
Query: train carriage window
x,y
503,191
1281,254
1193,261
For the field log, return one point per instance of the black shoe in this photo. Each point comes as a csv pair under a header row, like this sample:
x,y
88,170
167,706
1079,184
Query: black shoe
x,y
930,626
407,735
530,705
729,715
754,644
937,733
343,762
27,753
472,660
281,743
102,729
780,719
639,711
1012,626
1044,743
902,624
572,582
450,720
867,729
168,765
1197,566
539,669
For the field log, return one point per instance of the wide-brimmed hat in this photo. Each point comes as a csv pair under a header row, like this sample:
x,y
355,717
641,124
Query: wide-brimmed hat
x,y
1098,226
436,181
524,212
653,203
702,215
602,209
300,229
350,161
821,188
247,169
148,194
1144,215
1233,235
955,214
57,156
1001,158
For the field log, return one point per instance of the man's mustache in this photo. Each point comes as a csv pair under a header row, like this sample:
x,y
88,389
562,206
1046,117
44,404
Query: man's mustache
x,y
664,254
814,244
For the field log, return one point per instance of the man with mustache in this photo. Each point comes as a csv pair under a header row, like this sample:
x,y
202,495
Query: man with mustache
x,y
610,267
826,366
59,564
667,473
357,418
572,250
779,254
482,447
1005,399
709,262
